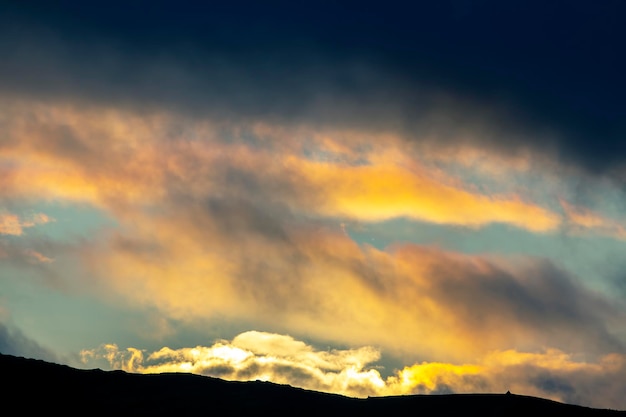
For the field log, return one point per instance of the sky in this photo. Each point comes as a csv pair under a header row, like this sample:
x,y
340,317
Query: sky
x,y
367,199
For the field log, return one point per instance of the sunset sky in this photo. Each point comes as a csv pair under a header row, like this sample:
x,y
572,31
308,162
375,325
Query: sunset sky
x,y
366,199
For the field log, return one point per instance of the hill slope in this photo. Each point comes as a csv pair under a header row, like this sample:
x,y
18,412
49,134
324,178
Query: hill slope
x,y
41,387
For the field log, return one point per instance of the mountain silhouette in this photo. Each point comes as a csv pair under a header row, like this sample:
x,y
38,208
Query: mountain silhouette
x,y
34,387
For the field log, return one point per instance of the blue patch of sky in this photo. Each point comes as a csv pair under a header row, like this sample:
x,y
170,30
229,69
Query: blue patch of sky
x,y
56,320
71,222
66,323
40,307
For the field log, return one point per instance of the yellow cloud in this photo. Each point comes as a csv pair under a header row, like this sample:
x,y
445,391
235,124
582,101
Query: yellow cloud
x,y
381,192
429,377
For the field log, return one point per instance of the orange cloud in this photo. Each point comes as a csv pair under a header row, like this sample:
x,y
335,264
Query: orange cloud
x,y
12,224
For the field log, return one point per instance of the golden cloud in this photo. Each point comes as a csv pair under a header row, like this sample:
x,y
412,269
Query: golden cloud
x,y
381,192
198,266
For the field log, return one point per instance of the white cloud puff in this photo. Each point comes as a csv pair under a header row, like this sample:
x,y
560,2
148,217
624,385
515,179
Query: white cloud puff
x,y
282,359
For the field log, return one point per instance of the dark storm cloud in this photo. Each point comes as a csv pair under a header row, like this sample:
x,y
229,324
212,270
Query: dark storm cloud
x,y
546,76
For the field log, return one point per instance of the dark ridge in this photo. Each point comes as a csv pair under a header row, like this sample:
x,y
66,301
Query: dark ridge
x,y
31,387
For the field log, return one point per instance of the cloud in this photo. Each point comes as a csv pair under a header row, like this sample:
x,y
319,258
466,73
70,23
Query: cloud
x,y
281,359
381,192
38,257
584,219
12,224
550,374
57,156
321,281
241,221
22,255
257,355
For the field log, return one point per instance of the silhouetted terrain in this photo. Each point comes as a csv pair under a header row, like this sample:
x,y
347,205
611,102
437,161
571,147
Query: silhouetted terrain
x,y
32,386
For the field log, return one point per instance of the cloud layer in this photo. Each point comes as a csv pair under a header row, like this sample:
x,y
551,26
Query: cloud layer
x,y
244,220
